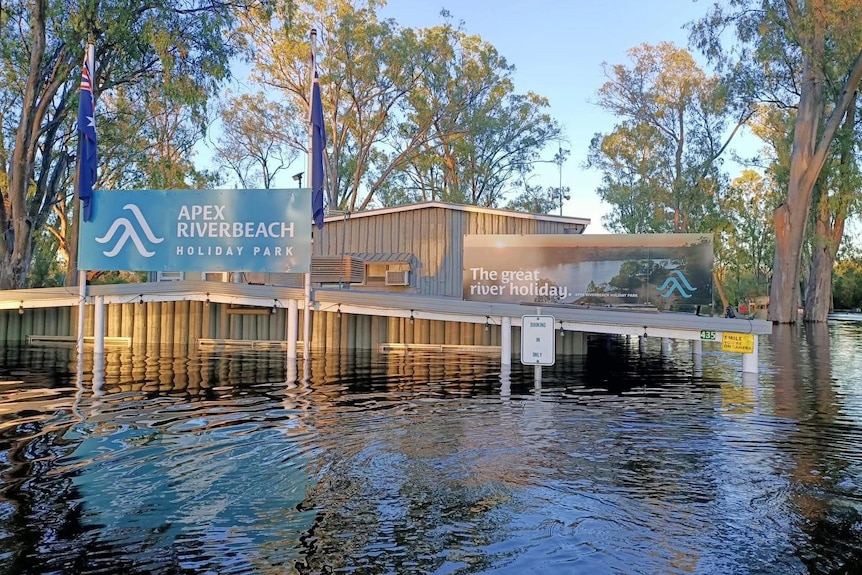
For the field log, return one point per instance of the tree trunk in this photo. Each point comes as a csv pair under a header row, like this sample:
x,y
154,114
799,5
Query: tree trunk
x,y
818,292
791,217
74,228
818,295
16,251
829,225
718,286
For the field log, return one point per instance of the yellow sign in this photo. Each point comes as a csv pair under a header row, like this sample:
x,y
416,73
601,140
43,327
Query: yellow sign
x,y
737,342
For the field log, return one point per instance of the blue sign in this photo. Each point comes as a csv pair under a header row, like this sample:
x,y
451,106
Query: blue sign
x,y
198,230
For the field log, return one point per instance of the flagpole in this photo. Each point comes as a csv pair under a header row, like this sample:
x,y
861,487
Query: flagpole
x,y
90,63
306,316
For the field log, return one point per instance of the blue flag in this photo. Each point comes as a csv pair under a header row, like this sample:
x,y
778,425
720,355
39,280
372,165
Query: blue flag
x,y
87,158
318,145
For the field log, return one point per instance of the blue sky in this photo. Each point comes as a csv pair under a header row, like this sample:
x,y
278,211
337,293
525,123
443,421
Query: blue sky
x,y
557,48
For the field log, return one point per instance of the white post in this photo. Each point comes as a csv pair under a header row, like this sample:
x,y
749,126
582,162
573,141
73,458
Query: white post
x,y
290,372
98,377
292,328
306,318
750,360
82,309
506,341
665,346
99,329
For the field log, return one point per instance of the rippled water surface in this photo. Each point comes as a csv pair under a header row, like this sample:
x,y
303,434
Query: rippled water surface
x,y
625,461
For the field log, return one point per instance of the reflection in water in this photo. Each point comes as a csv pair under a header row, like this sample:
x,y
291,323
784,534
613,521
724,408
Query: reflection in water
x,y
623,461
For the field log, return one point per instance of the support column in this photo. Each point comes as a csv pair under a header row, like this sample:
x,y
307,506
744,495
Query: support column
x,y
750,360
579,347
99,329
506,341
306,318
82,308
292,328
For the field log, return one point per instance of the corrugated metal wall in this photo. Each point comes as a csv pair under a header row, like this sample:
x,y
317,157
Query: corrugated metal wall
x,y
177,327
433,234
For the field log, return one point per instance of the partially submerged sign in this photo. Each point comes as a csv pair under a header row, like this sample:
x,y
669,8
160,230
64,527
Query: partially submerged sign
x,y
737,342
597,269
198,230
538,340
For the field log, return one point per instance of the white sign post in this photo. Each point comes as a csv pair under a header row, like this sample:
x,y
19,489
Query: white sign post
x,y
538,342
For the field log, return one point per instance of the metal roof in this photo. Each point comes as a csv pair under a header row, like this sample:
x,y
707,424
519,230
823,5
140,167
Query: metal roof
x,y
401,257
458,207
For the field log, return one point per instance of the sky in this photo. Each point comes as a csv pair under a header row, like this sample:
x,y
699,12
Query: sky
x,y
557,48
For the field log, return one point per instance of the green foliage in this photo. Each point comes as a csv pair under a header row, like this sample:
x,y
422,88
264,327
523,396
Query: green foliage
x,y
847,284
147,141
255,144
661,163
534,200
118,277
47,270
745,247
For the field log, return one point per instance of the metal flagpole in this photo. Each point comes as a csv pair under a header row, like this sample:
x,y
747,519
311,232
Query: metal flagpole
x,y
306,316
89,62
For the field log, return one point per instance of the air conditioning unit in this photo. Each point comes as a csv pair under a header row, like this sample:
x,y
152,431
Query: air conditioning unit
x,y
216,276
397,277
170,276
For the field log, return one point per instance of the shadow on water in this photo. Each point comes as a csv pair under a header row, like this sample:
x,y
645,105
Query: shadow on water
x,y
629,460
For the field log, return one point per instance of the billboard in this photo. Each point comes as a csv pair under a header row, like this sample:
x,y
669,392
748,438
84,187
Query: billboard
x,y
596,269
198,230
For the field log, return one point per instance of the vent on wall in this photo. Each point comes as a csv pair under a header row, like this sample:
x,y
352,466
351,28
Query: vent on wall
x,y
397,277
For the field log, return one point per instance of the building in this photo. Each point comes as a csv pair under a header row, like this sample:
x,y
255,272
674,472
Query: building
x,y
414,248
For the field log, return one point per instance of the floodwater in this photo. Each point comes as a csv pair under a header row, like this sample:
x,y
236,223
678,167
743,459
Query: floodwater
x,y
626,461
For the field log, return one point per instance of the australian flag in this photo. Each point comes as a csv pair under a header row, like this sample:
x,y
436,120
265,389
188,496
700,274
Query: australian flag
x,y
87,158
318,145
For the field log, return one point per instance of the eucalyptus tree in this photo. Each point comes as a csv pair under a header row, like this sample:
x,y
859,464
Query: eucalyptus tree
x,y
185,46
431,109
806,56
747,241
661,163
484,135
255,142
148,139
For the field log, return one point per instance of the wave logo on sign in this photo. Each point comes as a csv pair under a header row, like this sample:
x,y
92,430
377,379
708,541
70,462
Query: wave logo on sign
x,y
676,282
127,232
